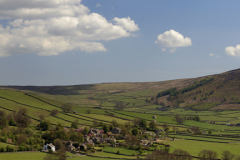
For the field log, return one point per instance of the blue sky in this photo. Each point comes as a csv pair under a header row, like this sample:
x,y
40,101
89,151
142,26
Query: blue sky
x,y
92,41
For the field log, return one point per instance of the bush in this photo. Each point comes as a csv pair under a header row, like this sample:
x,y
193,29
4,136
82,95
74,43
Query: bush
x,y
118,152
9,149
54,112
2,149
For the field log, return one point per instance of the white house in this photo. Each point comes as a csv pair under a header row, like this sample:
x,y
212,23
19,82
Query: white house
x,y
49,146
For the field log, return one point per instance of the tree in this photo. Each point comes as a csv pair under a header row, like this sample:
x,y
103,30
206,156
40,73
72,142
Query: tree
x,y
135,131
165,127
61,154
3,122
180,154
120,105
42,117
21,120
208,154
105,128
2,114
67,107
197,118
85,131
152,125
95,123
143,124
23,111
131,140
44,125
227,155
12,122
178,119
54,112
136,122
21,139
114,123
159,155
88,111
75,124
80,137
58,144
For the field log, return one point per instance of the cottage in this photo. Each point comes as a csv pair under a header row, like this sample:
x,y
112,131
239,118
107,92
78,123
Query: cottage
x,y
49,146
83,146
86,138
94,131
116,130
96,139
71,147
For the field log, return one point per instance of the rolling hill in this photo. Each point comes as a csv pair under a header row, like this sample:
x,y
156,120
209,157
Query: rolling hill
x,y
219,93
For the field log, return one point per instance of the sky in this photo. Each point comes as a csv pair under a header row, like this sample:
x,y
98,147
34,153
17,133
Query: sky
x,y
71,42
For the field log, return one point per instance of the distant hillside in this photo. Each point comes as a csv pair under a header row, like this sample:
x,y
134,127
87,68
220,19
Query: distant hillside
x,y
222,92
215,92
105,94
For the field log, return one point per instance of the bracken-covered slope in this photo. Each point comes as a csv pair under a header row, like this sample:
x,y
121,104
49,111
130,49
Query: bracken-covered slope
x,y
221,93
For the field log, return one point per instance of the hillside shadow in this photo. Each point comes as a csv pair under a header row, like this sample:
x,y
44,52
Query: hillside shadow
x,y
55,90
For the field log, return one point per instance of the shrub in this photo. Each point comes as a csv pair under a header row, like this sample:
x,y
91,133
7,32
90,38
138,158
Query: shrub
x,y
9,149
54,112
118,152
2,149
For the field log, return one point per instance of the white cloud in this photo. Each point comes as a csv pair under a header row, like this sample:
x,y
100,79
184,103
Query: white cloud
x,y
126,23
172,39
98,5
58,26
214,55
233,51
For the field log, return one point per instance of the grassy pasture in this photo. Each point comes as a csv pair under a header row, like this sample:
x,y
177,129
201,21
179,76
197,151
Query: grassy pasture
x,y
123,151
194,147
89,158
5,145
23,156
104,118
110,155
214,139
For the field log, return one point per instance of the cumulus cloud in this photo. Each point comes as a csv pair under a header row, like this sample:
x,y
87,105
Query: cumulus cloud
x,y
51,27
126,23
233,51
211,54
172,39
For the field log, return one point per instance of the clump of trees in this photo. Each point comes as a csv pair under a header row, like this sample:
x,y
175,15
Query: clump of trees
x,y
54,112
67,107
120,105
177,154
179,119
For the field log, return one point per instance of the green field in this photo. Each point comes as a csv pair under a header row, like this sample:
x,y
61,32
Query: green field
x,y
194,147
23,156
